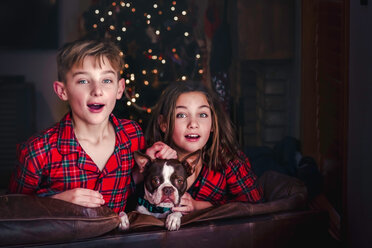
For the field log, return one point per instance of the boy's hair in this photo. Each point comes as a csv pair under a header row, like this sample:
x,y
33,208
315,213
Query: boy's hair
x,y
74,53
221,146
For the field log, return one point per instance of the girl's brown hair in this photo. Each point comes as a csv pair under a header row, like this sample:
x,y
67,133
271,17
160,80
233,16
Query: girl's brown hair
x,y
221,146
75,52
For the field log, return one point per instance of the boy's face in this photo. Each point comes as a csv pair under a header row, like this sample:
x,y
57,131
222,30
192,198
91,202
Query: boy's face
x,y
91,91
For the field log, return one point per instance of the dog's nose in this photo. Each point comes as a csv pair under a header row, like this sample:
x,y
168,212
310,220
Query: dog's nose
x,y
168,191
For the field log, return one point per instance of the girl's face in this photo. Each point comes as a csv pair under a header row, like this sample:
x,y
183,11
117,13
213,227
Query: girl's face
x,y
193,123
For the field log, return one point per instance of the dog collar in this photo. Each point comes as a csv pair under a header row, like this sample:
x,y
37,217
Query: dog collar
x,y
151,207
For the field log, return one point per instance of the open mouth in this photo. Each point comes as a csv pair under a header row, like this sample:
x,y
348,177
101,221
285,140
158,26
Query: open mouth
x,y
95,106
192,137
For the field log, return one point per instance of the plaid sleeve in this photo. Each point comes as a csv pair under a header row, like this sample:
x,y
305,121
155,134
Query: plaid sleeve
x,y
26,177
134,132
141,139
242,182
137,141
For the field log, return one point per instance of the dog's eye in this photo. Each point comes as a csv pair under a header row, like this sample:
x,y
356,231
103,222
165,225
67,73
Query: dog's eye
x,y
156,181
179,180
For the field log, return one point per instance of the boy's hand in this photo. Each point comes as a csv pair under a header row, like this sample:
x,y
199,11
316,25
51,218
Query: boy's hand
x,y
188,204
83,197
161,150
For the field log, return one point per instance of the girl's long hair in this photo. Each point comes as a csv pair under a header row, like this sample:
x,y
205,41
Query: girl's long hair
x,y
221,146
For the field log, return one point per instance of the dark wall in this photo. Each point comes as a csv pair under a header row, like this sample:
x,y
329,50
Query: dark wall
x,y
359,168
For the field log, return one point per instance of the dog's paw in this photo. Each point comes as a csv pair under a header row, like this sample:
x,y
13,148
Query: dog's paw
x,y
124,221
173,221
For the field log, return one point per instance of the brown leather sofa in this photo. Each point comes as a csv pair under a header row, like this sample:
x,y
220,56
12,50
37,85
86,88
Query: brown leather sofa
x,y
284,220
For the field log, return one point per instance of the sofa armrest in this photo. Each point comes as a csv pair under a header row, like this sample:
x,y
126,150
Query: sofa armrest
x,y
292,229
28,219
278,186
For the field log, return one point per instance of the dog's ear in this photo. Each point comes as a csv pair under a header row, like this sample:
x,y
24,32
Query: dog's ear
x,y
142,160
191,160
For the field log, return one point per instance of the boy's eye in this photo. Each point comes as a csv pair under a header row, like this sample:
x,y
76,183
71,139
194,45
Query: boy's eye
x,y
83,81
107,81
181,115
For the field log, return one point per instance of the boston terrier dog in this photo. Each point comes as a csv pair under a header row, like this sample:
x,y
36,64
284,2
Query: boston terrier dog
x,y
165,181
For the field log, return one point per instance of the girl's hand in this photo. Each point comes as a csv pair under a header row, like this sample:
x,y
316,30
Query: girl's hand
x,y
188,204
82,197
161,150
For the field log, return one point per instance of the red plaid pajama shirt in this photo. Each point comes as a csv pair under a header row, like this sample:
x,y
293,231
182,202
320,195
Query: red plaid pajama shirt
x,y
54,161
237,182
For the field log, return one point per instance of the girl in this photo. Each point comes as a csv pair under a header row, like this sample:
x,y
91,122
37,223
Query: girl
x,y
189,117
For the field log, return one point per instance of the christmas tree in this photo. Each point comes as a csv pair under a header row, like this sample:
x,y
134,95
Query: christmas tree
x,y
156,39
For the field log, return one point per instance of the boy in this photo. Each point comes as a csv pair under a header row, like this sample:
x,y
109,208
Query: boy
x,y
86,158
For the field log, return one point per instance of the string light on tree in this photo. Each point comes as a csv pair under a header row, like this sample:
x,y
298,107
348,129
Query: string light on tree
x,y
157,44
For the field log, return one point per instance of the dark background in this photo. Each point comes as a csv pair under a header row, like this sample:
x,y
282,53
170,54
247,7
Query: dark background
x,y
29,24
30,36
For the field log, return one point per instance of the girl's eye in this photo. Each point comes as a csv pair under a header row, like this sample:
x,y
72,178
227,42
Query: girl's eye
x,y
83,81
204,115
107,81
180,115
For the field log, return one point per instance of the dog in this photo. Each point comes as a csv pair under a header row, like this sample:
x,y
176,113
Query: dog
x,y
165,182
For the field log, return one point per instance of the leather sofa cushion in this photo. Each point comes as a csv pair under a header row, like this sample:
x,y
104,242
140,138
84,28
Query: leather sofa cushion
x,y
281,192
28,219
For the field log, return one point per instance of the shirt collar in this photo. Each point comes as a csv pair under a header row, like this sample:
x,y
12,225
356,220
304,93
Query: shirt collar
x,y
67,142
